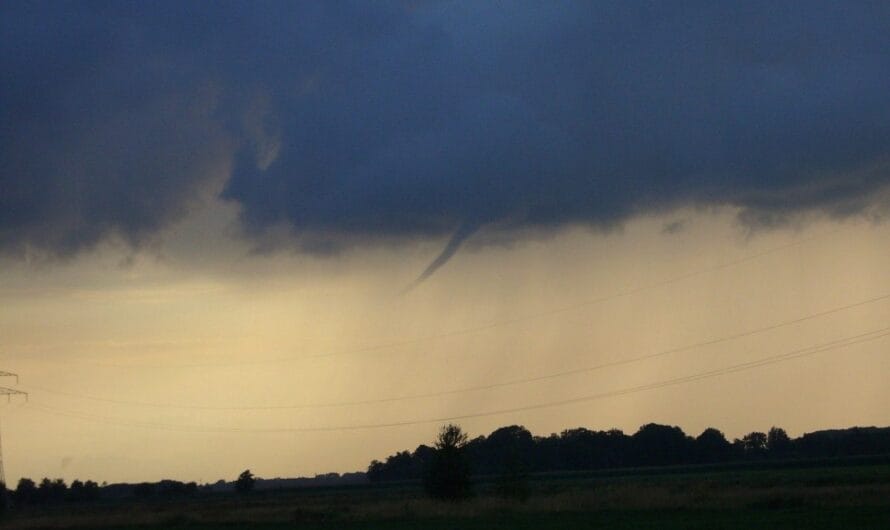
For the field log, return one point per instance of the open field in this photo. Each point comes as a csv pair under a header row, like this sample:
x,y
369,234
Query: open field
x,y
825,497
704,519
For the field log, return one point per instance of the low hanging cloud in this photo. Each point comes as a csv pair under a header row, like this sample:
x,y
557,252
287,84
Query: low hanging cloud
x,y
363,123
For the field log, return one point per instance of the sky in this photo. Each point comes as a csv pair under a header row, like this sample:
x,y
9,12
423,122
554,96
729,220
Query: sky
x,y
295,237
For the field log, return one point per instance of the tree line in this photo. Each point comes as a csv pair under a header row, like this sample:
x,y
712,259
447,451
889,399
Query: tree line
x,y
514,449
510,454
48,491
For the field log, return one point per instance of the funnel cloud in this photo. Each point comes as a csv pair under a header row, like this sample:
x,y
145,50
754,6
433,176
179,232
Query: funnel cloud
x,y
454,243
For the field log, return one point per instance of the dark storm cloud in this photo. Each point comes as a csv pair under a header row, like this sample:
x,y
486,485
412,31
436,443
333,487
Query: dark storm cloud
x,y
367,122
104,131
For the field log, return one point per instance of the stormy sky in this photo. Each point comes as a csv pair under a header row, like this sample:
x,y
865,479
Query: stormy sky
x,y
358,123
347,152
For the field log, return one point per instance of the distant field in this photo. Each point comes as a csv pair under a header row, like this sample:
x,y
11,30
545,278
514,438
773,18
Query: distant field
x,y
656,519
855,496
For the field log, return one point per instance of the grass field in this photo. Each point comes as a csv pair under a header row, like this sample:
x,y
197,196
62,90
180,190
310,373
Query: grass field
x,y
655,519
825,497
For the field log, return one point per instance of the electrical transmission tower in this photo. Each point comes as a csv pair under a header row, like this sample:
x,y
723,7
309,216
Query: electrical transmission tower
x,y
8,392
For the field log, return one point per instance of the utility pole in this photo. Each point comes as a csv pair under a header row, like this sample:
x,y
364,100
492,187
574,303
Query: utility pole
x,y
8,392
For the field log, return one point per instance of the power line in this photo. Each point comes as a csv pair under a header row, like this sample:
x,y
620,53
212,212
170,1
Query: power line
x,y
749,365
531,316
479,328
489,386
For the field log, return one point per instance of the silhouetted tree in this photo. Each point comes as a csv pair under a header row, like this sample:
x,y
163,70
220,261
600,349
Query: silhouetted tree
x,y
712,446
4,500
174,488
755,444
547,455
777,442
376,471
448,474
25,492
144,490
577,449
245,482
660,445
844,442
490,455
52,491
90,490
397,467
421,460
76,492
